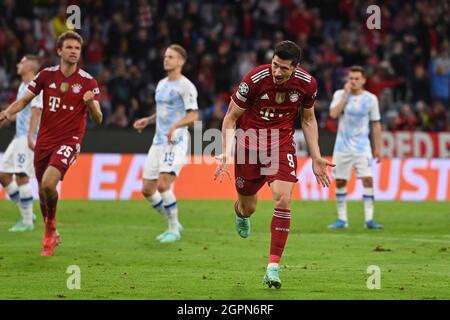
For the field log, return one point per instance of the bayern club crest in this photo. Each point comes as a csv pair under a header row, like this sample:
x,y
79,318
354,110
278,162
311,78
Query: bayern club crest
x,y
76,88
240,182
294,96
243,88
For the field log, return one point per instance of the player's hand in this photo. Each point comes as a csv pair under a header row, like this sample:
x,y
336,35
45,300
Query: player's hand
x,y
88,97
347,87
377,155
4,118
140,124
320,167
170,134
31,142
222,168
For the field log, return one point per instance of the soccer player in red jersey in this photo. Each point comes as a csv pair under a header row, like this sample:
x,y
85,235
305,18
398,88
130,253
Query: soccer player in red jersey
x,y
264,109
68,92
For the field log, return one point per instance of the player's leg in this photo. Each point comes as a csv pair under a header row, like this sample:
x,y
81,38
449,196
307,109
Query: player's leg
x,y
173,232
279,229
49,199
10,186
244,207
25,205
368,198
341,173
150,192
363,167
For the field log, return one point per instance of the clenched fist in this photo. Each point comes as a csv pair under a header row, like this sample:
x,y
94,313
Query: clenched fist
x,y
88,97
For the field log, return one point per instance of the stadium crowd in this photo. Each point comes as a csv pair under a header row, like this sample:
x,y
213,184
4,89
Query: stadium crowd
x,y
407,60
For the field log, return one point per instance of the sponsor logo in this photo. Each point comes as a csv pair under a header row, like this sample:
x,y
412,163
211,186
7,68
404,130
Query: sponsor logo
x,y
243,88
265,96
64,161
52,85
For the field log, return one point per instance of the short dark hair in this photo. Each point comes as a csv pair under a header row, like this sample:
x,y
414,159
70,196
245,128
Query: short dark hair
x,y
288,50
357,69
68,35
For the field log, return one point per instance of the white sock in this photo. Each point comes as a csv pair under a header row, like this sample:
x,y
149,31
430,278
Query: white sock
x,y
368,203
341,202
157,202
272,264
26,203
13,192
170,205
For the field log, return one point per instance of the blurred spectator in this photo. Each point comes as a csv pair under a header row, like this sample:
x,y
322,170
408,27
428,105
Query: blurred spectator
x,y
440,75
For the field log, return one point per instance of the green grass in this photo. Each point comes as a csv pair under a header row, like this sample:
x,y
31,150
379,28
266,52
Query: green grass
x,y
113,244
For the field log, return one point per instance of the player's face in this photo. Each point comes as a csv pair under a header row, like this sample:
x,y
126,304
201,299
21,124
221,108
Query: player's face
x,y
172,60
357,80
281,70
24,66
70,51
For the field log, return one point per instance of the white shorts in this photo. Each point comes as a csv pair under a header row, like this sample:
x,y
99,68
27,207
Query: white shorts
x,y
345,163
164,158
18,158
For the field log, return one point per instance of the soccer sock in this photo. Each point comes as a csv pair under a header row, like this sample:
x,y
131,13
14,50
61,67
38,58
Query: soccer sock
x,y
279,231
26,203
170,206
368,203
51,207
341,202
44,209
13,192
157,202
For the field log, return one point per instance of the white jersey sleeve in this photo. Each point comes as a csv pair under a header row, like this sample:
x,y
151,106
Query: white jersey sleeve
x,y
375,109
337,96
189,95
37,101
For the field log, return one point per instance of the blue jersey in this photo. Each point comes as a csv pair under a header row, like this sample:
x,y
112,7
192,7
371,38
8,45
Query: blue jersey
x,y
23,117
173,99
354,122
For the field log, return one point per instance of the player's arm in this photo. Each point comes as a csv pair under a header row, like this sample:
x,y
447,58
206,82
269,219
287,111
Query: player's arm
x,y
337,107
34,123
190,117
376,139
93,106
311,133
15,107
234,112
141,123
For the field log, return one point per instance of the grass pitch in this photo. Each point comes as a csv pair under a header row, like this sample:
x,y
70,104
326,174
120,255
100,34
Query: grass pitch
x,y
113,245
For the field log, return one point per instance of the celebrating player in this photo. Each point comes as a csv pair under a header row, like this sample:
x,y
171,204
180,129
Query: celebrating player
x,y
68,92
176,108
266,104
356,109
18,158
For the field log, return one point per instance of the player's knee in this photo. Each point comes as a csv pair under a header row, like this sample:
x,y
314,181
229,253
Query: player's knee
x,y
5,179
282,201
47,188
21,180
148,191
367,182
341,183
163,186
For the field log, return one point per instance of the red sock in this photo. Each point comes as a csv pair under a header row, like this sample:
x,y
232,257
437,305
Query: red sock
x,y
279,229
51,207
236,209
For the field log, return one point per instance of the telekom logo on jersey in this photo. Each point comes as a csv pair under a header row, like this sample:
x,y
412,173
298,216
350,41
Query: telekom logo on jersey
x,y
54,102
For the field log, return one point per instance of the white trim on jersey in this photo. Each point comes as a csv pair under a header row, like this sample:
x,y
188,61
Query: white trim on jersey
x,y
301,75
84,74
260,75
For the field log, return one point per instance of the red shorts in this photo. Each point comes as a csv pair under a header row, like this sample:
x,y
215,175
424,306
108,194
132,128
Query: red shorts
x,y
61,157
251,176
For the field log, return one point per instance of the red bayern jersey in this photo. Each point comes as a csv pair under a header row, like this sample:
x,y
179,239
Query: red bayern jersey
x,y
64,113
271,106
